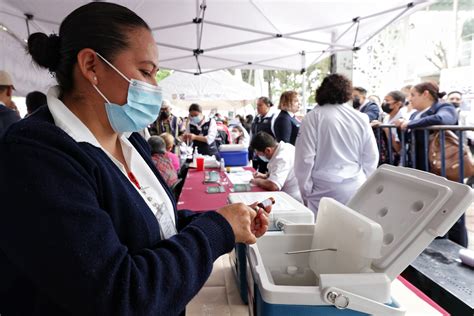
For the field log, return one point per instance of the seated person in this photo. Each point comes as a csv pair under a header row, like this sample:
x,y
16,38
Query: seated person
x,y
162,162
169,142
281,160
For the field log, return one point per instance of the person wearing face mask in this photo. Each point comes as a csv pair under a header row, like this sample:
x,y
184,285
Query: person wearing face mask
x,y
281,161
455,98
286,125
363,104
166,122
202,132
392,104
88,225
240,136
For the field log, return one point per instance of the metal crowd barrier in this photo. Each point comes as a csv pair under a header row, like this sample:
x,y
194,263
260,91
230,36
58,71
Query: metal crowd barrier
x,y
458,130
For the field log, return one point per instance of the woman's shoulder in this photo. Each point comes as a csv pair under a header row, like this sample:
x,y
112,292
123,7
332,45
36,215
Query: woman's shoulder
x,y
283,116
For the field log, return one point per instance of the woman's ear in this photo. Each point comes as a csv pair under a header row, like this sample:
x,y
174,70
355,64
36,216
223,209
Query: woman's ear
x,y
87,62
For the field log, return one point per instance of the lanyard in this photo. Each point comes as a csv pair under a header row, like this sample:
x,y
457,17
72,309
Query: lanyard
x,y
134,180
167,227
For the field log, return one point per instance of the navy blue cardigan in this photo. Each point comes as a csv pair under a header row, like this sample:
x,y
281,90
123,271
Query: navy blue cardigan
x,y
286,128
77,239
439,113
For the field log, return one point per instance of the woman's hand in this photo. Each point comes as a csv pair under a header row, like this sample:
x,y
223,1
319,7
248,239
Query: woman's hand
x,y
375,123
402,124
260,223
188,136
246,222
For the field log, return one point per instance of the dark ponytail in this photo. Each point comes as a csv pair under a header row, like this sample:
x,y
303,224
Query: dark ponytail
x,y
432,89
266,100
101,26
44,50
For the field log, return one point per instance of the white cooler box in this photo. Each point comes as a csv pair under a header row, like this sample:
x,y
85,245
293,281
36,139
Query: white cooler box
x,y
390,220
286,209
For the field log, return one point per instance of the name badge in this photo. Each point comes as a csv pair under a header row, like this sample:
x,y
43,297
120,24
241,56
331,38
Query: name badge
x,y
167,226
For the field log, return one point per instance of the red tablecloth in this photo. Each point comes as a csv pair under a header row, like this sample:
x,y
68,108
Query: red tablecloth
x,y
194,197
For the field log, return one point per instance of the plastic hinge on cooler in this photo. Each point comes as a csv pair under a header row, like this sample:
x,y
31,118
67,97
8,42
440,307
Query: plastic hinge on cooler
x,y
342,299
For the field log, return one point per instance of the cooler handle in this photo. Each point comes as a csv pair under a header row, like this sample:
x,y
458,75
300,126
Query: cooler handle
x,y
342,299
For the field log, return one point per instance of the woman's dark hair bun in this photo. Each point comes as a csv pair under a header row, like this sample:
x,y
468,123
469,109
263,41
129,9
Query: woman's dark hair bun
x,y
441,94
44,50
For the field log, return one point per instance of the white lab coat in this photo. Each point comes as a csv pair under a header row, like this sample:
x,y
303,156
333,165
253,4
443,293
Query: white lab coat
x,y
335,152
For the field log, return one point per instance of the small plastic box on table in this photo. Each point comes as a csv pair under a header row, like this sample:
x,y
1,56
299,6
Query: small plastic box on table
x,y
384,227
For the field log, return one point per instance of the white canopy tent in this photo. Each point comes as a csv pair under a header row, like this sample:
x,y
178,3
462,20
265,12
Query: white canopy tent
x,y
201,36
215,90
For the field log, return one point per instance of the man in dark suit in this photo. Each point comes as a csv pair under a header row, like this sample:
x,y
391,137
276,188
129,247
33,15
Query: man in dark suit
x,y
7,115
363,104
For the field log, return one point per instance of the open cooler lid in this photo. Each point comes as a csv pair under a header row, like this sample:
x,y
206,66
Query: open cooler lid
x,y
285,207
413,207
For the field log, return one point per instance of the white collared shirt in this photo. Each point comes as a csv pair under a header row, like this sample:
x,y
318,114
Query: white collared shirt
x,y
281,170
152,190
211,133
396,117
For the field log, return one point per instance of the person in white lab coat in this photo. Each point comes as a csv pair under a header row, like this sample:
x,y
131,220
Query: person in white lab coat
x,y
281,158
336,148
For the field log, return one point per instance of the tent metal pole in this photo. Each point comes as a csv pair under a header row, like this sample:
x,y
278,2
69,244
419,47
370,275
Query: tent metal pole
x,y
16,37
234,27
202,27
240,62
335,41
164,27
264,16
240,43
316,42
175,46
409,5
303,80
174,58
22,17
197,24
385,25
317,28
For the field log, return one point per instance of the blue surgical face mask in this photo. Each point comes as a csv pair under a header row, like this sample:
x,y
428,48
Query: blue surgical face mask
x,y
196,119
263,158
142,107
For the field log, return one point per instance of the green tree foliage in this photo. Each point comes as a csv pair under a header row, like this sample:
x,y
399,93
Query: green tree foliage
x,y
162,74
284,80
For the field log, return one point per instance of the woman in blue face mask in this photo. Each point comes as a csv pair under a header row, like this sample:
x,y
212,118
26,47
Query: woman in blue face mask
x,y
202,132
88,225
